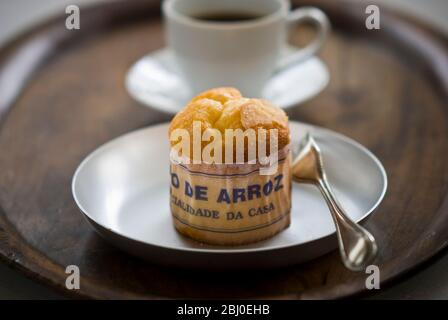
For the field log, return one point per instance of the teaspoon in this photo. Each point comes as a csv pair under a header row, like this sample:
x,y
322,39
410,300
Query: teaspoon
x,y
357,246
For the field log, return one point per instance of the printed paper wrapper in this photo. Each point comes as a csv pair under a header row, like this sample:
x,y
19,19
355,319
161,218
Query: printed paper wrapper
x,y
230,204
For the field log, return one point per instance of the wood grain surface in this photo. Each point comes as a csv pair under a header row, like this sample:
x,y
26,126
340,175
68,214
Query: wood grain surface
x,y
62,95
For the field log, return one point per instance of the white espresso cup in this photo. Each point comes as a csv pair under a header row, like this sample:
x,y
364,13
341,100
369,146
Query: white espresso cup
x,y
241,53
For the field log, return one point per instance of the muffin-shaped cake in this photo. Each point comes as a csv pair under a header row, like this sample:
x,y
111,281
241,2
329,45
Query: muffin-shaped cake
x,y
230,181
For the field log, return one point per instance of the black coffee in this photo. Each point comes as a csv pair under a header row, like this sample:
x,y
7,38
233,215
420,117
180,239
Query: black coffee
x,y
227,17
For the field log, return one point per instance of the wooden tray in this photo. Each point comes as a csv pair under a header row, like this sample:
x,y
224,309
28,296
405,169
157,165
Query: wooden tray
x,y
62,95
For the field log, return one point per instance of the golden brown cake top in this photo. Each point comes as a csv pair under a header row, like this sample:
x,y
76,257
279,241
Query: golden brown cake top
x,y
225,108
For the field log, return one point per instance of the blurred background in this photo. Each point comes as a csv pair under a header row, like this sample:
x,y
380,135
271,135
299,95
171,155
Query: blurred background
x,y
19,15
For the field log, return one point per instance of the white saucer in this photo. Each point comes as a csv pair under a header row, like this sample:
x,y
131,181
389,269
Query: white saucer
x,y
123,190
154,82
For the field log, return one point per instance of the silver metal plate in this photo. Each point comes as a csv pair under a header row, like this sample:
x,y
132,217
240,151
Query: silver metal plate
x,y
122,188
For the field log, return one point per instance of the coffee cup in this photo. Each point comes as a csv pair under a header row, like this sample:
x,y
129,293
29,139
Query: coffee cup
x,y
237,43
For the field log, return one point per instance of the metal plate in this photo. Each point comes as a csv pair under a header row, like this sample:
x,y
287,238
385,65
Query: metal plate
x,y
154,82
123,190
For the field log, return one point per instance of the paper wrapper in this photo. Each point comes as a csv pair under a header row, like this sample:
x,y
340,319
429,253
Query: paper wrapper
x,y
230,204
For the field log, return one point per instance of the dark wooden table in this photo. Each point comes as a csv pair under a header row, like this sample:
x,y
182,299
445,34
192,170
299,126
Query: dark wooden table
x,y
64,96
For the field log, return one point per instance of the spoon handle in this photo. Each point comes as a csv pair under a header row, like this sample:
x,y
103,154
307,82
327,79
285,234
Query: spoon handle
x,y
357,246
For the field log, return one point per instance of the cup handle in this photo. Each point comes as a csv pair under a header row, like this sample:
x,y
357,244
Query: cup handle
x,y
319,19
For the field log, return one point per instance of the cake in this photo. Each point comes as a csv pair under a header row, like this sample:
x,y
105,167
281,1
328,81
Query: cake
x,y
226,203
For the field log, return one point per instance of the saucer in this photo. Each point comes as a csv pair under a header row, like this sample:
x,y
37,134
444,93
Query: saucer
x,y
154,82
122,189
